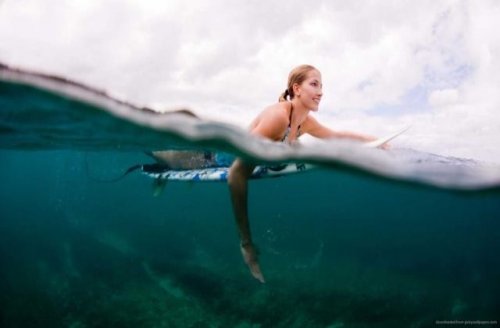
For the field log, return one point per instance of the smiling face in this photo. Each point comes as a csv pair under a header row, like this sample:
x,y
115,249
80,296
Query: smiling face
x,y
310,91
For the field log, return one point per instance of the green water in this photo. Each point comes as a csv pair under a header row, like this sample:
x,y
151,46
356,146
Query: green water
x,y
338,249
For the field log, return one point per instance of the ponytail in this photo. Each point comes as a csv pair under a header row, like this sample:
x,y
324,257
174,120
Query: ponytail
x,y
284,96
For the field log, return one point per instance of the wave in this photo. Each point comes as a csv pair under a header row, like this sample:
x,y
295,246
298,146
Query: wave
x,y
41,111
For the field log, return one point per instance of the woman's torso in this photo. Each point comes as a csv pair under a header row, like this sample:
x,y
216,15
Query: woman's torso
x,y
280,111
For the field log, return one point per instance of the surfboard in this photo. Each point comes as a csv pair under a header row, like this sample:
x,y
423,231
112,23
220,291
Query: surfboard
x,y
380,141
163,173
155,171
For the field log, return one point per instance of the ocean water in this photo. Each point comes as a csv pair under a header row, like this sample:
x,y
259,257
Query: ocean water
x,y
371,238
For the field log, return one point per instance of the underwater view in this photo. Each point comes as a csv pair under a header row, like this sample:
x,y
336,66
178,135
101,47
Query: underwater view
x,y
368,238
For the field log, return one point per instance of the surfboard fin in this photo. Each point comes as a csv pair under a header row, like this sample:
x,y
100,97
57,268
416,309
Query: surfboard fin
x,y
158,186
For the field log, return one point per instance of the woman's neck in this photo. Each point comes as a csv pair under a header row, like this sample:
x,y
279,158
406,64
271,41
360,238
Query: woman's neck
x,y
298,113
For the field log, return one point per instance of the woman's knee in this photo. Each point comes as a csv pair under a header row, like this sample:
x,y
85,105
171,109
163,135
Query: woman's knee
x,y
238,172
234,174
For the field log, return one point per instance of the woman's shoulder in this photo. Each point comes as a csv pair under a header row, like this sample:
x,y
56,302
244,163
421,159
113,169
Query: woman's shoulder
x,y
278,111
310,120
272,120
310,123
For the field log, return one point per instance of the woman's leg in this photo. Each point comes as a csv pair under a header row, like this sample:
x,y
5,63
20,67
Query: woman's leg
x,y
239,173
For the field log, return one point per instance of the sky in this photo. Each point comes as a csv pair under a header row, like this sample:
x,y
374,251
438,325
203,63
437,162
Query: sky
x,y
431,64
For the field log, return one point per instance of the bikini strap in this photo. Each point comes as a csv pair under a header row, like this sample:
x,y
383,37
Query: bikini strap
x,y
290,122
287,132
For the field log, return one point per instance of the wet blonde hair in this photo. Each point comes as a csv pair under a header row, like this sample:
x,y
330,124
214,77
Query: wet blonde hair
x,y
297,75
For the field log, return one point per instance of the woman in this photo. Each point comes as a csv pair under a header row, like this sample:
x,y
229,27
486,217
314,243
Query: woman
x,y
284,121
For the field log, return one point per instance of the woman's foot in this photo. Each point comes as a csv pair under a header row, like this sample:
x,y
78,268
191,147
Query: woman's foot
x,y
250,256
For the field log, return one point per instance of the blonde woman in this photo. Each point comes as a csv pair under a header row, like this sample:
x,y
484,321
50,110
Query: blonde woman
x,y
284,121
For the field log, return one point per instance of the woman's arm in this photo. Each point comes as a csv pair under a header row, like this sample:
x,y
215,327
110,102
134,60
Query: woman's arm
x,y
316,129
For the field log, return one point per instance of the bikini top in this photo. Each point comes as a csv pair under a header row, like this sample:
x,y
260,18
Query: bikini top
x,y
289,128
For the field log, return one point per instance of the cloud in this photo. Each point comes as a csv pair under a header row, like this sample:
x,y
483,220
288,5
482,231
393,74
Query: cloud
x,y
431,63
442,98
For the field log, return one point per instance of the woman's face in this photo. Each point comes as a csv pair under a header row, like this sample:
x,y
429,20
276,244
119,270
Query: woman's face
x,y
310,91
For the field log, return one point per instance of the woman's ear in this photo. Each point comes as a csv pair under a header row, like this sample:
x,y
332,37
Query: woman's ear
x,y
296,89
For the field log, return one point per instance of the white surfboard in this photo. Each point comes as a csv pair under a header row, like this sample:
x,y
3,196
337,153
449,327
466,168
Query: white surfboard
x,y
380,141
221,173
